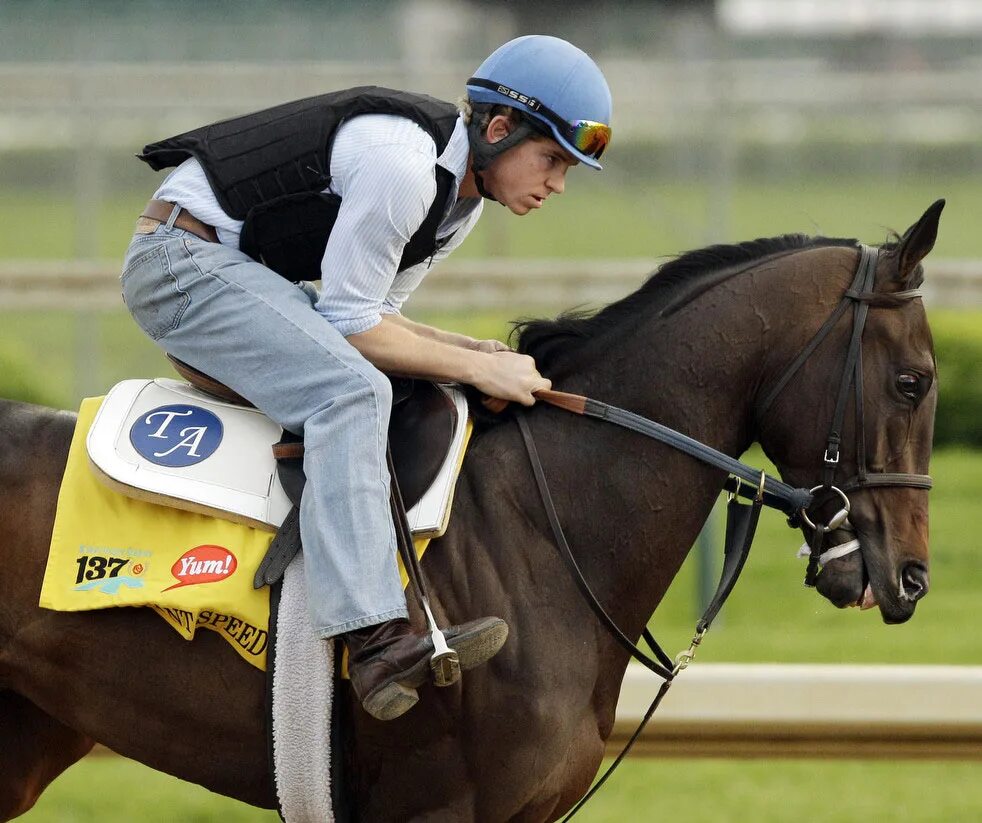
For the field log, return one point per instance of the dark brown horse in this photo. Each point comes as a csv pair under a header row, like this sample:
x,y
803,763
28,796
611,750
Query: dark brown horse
x,y
519,739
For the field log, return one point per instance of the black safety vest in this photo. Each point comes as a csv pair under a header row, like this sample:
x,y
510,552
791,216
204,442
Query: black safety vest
x,y
269,169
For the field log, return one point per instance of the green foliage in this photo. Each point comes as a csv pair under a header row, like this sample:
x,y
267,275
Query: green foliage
x,y
20,380
958,347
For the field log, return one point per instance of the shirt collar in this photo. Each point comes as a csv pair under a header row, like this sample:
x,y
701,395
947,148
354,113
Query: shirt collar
x,y
455,155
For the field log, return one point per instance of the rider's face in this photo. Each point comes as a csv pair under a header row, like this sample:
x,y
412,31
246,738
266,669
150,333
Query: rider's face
x,y
524,176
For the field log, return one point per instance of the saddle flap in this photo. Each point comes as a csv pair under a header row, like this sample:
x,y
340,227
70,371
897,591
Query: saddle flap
x,y
163,441
169,443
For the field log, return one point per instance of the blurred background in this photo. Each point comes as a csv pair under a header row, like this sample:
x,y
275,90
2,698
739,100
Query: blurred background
x,y
733,119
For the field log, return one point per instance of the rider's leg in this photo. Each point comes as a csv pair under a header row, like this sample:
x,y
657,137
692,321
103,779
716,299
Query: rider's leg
x,y
235,320
228,316
34,750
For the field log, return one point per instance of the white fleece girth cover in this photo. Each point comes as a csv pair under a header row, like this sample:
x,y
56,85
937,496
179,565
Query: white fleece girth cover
x,y
303,695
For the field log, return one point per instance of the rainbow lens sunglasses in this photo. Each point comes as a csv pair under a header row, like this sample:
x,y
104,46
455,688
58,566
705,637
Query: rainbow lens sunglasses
x,y
588,136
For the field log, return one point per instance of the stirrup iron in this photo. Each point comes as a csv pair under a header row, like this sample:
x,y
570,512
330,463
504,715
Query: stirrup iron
x,y
445,662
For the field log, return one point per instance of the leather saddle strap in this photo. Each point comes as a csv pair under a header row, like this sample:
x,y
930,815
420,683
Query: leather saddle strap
x,y
404,536
281,551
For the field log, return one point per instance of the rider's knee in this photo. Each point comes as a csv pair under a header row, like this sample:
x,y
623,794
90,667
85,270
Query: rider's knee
x,y
365,396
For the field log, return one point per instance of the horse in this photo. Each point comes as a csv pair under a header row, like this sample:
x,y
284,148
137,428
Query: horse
x,y
696,348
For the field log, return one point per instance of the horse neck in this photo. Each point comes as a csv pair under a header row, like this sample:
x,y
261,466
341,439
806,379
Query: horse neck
x,y
631,507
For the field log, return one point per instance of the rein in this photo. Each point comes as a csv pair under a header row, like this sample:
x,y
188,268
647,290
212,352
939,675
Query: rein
x,y
743,481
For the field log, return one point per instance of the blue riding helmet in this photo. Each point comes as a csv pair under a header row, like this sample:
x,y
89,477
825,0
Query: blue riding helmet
x,y
552,82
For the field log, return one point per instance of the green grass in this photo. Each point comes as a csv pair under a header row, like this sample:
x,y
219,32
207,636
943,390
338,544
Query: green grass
x,y
109,789
595,220
113,790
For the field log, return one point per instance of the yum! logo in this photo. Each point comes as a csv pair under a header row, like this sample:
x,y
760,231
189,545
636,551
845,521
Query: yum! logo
x,y
203,564
177,436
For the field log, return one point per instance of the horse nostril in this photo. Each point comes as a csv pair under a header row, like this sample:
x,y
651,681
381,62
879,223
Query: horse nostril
x,y
913,581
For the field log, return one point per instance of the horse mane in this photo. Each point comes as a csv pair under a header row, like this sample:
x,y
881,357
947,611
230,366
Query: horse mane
x,y
670,287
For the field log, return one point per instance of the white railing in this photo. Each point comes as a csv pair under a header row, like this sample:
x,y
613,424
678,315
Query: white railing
x,y
797,710
463,285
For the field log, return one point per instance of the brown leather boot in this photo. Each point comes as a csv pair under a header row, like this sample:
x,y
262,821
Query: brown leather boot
x,y
389,661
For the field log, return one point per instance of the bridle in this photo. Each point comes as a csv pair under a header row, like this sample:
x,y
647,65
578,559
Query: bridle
x,y
744,481
859,295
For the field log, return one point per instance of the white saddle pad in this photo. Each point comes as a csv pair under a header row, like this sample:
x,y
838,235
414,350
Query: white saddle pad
x,y
163,440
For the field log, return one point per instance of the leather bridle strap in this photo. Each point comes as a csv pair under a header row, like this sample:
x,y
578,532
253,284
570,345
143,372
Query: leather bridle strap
x,y
860,295
852,368
777,494
741,525
663,665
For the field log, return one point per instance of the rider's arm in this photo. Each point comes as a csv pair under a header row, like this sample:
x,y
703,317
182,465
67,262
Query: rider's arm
x,y
387,187
451,338
397,349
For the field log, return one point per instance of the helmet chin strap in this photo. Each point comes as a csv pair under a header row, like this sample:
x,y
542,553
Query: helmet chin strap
x,y
484,153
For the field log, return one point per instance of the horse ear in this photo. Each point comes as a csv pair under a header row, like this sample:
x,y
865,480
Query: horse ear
x,y
918,241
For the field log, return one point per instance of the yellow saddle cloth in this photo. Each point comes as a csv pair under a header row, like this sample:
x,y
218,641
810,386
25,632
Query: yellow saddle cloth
x,y
194,570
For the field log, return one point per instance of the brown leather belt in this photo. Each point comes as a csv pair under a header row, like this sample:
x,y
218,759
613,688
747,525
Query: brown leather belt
x,y
159,211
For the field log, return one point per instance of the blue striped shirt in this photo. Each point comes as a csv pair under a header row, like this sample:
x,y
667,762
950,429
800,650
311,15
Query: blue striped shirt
x,y
382,168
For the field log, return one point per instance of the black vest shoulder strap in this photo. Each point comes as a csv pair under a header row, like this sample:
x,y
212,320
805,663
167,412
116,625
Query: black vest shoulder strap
x,y
423,243
270,168
258,157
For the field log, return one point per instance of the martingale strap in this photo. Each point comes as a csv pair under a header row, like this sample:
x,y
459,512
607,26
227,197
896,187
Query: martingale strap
x,y
741,525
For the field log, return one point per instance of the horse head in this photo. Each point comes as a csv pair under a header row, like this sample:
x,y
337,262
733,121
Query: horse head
x,y
886,427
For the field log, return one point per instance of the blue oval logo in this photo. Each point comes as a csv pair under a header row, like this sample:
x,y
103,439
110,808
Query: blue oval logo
x,y
177,436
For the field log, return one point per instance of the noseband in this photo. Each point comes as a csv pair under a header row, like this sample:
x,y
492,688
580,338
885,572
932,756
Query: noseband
x,y
859,295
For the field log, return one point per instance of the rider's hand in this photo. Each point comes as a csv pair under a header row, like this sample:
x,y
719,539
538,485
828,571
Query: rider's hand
x,y
508,375
490,346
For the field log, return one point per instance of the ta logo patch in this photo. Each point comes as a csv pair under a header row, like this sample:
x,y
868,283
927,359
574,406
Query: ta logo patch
x,y
177,436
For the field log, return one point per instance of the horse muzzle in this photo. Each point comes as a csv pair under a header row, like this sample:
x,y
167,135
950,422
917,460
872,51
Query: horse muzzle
x,y
849,581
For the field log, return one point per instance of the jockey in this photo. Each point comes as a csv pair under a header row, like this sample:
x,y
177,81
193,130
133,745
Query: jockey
x,y
364,190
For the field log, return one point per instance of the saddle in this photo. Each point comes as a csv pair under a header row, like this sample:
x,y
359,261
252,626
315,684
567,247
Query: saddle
x,y
421,428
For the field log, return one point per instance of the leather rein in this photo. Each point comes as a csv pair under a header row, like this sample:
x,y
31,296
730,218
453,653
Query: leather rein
x,y
742,481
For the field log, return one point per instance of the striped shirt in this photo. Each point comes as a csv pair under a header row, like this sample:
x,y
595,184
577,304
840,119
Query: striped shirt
x,y
382,168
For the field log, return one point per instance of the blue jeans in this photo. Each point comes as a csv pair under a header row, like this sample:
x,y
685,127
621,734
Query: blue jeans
x,y
235,320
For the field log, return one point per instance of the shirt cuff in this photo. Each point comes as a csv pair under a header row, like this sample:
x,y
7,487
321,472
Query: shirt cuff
x,y
354,325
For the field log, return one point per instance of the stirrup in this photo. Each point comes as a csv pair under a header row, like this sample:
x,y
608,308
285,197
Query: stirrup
x,y
445,662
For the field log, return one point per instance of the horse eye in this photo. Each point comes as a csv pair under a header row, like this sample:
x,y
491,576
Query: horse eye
x,y
909,385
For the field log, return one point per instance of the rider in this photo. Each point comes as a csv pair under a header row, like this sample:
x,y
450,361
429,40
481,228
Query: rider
x,y
363,189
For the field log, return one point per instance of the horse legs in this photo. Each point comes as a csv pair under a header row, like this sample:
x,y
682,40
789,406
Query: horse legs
x,y
34,750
